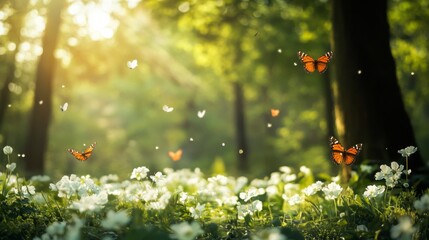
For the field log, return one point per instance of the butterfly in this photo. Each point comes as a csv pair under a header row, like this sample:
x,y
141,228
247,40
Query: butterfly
x,y
275,112
175,156
82,156
64,107
340,155
310,65
132,64
166,108
201,113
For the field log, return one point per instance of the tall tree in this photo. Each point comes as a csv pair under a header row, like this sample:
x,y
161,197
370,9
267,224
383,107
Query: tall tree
x,y
368,101
14,36
37,138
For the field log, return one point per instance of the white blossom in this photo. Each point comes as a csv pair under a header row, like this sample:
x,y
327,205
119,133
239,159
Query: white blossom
x,y
313,188
197,211
406,152
7,150
404,229
422,204
139,173
332,191
373,191
115,220
11,167
186,231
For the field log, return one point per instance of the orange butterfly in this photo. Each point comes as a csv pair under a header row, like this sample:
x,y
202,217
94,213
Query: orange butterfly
x,y
175,156
340,155
82,156
275,112
310,65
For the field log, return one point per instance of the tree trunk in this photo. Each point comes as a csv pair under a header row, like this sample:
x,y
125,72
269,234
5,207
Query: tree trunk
x,y
329,105
240,127
15,37
37,138
368,101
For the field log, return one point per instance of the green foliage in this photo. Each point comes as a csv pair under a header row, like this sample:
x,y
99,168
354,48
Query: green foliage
x,y
184,204
21,218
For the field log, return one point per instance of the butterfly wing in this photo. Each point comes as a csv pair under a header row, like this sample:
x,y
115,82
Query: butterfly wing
x,y
275,112
76,154
84,155
322,62
309,62
337,150
351,154
175,156
88,152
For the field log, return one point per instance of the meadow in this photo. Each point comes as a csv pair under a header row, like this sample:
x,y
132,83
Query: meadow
x,y
188,204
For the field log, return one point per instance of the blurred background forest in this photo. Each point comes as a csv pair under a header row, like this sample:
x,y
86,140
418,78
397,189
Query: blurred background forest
x,y
192,56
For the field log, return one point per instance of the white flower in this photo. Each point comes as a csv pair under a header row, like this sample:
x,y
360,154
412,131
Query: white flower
x,y
73,231
366,168
335,179
251,192
361,228
332,191
7,150
28,190
139,173
40,178
305,170
422,204
406,152
56,228
390,174
197,211
272,191
268,234
186,231
11,167
404,229
115,220
295,199
183,196
313,188
285,169
159,179
373,191
91,203
248,209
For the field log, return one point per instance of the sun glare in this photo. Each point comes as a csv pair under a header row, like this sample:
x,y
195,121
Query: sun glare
x,y
95,19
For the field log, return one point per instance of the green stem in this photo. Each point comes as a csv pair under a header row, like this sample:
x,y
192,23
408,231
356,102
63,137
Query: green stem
x,y
6,178
335,206
406,167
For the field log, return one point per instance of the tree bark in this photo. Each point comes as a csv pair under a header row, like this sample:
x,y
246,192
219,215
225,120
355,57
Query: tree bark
x,y
37,138
368,104
240,127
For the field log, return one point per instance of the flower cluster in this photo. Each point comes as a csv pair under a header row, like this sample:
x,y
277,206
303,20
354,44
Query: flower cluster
x,y
184,199
391,174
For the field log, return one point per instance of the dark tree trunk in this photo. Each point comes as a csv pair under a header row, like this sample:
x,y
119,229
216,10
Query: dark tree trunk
x,y
329,105
369,106
37,138
15,37
240,127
